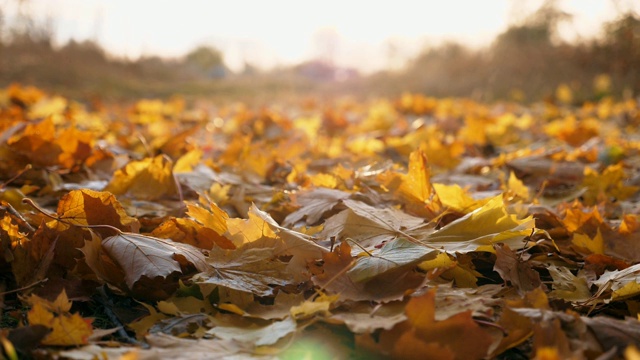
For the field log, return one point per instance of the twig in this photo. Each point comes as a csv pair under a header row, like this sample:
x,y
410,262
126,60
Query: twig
x,y
24,287
57,218
107,306
17,214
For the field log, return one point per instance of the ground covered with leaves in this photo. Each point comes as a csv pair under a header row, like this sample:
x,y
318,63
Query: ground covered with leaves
x,y
404,228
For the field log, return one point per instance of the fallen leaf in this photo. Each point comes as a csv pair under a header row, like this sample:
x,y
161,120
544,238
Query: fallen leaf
x,y
213,218
66,328
514,270
459,336
567,286
88,207
478,230
251,268
256,336
313,205
617,284
147,179
370,226
607,185
394,255
140,255
361,317
392,284
318,306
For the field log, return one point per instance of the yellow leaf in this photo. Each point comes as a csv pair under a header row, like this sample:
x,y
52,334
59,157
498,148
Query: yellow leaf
x,y
146,179
215,219
142,326
628,290
416,184
319,305
69,330
247,230
448,268
608,184
61,303
564,93
516,187
629,224
233,308
188,161
39,315
595,245
168,308
66,329
456,198
480,229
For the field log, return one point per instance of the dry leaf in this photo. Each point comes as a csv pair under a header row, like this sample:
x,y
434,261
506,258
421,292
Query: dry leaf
x,y
140,255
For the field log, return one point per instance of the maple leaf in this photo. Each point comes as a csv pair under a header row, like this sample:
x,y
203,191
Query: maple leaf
x,y
314,204
300,246
593,245
249,268
514,270
349,277
43,145
370,226
414,188
140,255
457,337
66,328
191,232
474,232
606,185
213,218
147,179
88,207
478,230
567,286
416,185
514,187
455,198
394,255
242,231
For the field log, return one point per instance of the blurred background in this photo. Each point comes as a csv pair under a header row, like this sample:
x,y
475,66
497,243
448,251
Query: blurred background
x,y
524,50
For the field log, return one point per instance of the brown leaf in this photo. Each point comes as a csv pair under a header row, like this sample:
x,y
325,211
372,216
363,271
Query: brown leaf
x,y
514,270
370,226
458,337
314,204
614,333
140,255
393,285
250,268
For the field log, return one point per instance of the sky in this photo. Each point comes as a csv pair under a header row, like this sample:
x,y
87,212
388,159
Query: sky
x,y
368,35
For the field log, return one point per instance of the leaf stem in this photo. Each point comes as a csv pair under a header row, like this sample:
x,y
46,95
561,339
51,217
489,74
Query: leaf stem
x,y
64,221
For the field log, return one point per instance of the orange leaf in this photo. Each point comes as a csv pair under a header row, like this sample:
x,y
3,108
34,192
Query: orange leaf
x,y
88,207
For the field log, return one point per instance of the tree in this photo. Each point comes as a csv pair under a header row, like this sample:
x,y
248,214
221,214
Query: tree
x,y
206,60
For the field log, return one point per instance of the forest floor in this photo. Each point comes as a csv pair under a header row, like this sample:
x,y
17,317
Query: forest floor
x,y
319,229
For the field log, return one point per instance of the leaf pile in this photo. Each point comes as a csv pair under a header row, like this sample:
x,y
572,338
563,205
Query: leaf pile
x,y
443,228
